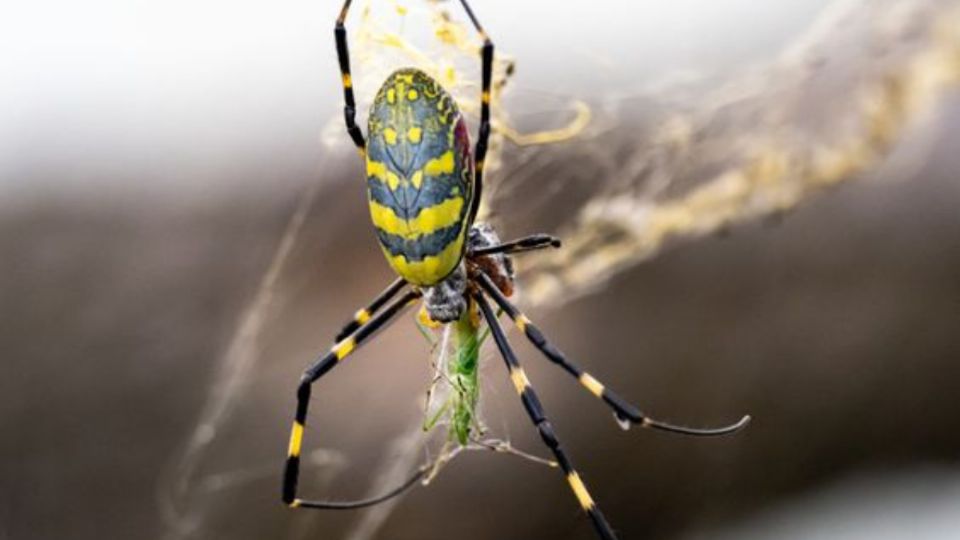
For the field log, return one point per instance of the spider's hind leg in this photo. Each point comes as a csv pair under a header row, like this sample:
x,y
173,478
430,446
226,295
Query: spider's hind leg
x,y
483,135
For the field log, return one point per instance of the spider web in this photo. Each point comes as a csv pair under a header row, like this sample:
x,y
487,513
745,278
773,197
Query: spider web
x,y
679,159
725,151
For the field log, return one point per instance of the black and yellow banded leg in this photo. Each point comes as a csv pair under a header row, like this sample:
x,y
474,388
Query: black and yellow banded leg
x,y
537,415
520,245
350,105
318,369
623,410
486,77
363,315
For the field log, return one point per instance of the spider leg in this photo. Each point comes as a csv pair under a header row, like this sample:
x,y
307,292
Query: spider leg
x,y
532,405
486,55
520,245
350,106
623,409
318,369
363,315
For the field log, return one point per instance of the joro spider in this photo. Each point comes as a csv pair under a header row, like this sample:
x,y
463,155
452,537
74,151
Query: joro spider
x,y
424,191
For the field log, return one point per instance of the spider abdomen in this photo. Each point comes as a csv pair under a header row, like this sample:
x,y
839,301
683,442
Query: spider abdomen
x,y
419,176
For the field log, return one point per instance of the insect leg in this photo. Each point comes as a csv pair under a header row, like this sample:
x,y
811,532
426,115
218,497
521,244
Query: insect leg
x,y
319,368
363,315
350,106
486,55
532,405
623,410
527,243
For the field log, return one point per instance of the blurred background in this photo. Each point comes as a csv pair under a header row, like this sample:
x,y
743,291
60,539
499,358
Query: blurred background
x,y
760,208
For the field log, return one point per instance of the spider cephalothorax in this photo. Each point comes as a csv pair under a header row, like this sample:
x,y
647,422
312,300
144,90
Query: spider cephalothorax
x,y
424,188
498,266
446,301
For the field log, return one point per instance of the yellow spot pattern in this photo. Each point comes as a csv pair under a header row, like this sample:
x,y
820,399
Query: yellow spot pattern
x,y
296,439
519,378
594,386
414,134
362,316
431,269
442,165
390,136
428,221
425,319
580,491
522,322
412,95
380,171
345,347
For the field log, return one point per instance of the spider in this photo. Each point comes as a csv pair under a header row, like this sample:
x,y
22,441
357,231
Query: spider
x,y
424,189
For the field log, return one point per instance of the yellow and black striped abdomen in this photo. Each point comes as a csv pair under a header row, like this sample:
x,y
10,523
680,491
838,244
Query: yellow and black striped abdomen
x,y
419,176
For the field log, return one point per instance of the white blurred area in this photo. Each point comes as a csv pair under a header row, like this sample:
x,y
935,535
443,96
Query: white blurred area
x,y
177,97
157,96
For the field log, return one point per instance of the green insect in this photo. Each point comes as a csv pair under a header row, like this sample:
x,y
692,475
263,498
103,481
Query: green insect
x,y
424,189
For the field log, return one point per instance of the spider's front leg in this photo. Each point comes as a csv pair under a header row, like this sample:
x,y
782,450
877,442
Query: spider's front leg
x,y
322,366
483,135
350,105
